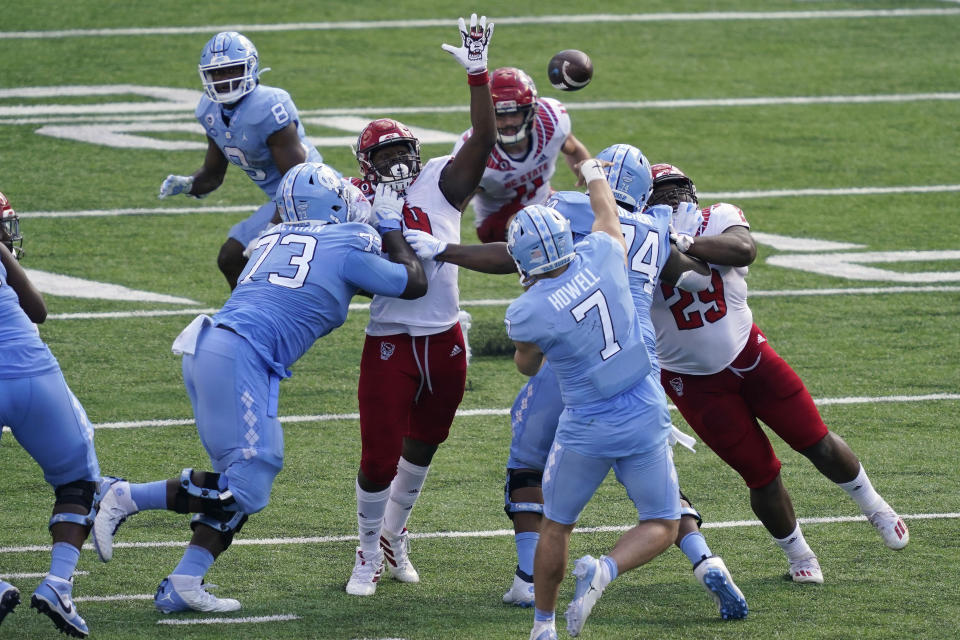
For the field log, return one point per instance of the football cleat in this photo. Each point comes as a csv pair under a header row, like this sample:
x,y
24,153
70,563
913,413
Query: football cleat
x,y
9,598
396,556
116,506
189,593
891,527
520,594
589,573
544,630
52,598
716,579
806,570
366,574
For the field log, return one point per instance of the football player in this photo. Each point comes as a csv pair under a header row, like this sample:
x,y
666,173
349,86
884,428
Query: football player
x,y
49,423
250,125
295,289
537,408
413,368
723,376
531,133
577,310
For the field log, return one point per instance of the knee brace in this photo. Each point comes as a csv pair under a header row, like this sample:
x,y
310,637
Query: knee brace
x,y
690,511
520,480
79,492
218,509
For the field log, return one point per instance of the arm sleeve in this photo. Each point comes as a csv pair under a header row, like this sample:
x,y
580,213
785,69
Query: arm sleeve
x,y
374,273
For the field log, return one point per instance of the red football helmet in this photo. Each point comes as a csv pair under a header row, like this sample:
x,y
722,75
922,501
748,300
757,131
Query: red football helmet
x,y
400,168
10,234
671,186
513,91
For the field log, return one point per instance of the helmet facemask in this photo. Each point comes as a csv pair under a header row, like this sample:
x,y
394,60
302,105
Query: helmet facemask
x,y
673,192
229,67
10,228
520,131
396,164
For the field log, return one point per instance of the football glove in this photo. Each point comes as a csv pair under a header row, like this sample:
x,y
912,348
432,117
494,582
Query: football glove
x,y
686,219
682,240
174,185
426,246
387,209
473,53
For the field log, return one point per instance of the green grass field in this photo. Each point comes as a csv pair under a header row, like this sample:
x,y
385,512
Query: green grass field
x,y
827,121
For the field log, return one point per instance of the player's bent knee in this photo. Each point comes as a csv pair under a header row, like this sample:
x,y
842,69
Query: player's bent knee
x,y
79,495
521,479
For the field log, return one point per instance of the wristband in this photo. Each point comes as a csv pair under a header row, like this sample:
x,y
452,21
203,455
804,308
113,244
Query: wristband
x,y
591,170
478,79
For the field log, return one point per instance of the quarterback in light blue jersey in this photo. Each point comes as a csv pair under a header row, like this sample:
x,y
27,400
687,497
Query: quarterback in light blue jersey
x,y
536,411
49,423
578,312
295,289
250,125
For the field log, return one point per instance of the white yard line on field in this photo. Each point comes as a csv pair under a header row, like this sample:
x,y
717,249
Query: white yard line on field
x,y
245,620
704,196
502,302
491,533
59,114
707,16
464,413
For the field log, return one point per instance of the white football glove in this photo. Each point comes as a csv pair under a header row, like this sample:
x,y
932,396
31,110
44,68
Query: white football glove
x,y
686,219
387,209
174,185
682,240
473,53
427,247
685,223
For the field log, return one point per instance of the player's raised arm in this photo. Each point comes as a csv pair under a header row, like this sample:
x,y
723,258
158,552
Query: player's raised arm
x,y
461,177
605,215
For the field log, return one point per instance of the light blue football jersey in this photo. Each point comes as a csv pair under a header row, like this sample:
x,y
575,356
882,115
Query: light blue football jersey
x,y
648,247
22,353
241,132
298,284
586,324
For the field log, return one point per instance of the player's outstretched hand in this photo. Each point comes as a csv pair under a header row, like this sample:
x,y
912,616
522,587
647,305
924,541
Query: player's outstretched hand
x,y
687,219
174,185
387,209
473,53
426,246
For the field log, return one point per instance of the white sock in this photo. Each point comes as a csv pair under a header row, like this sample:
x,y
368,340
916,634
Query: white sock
x,y
370,508
862,492
404,491
794,545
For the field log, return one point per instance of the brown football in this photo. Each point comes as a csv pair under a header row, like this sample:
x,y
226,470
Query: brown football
x,y
570,70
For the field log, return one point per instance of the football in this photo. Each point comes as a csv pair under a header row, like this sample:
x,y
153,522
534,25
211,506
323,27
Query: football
x,y
570,70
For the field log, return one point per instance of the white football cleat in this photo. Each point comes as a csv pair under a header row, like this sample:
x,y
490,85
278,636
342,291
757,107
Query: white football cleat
x,y
178,592
806,570
116,506
544,630
716,579
520,593
589,573
366,574
396,556
891,527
